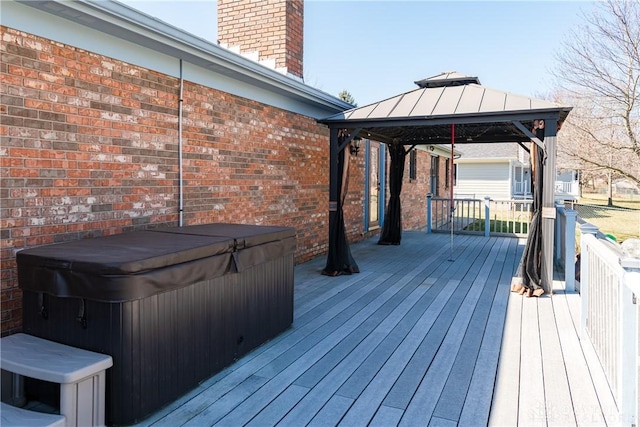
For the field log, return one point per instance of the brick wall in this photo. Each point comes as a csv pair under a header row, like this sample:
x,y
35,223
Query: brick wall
x,y
414,192
90,148
273,28
354,201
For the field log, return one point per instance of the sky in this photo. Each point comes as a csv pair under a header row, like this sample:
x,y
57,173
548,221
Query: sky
x,y
378,49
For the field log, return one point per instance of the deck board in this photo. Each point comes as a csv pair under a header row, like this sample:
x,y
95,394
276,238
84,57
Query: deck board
x,y
531,407
476,406
558,400
332,412
415,339
424,401
587,409
454,394
507,389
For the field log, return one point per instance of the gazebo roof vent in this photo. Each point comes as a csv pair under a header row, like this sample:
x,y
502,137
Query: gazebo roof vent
x,y
446,79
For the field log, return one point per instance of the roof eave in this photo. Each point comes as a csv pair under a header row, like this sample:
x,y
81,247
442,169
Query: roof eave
x,y
127,23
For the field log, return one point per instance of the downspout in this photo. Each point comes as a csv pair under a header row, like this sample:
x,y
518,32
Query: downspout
x,y
180,178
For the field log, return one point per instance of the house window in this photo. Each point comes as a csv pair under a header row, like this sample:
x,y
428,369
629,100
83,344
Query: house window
x,y
413,165
447,172
455,174
434,174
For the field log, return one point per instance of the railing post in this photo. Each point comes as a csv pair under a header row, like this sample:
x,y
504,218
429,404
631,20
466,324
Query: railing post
x,y
429,225
630,340
558,235
487,216
585,229
570,250
627,368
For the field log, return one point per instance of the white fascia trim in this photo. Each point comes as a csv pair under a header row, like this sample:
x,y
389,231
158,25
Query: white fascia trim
x,y
438,150
126,23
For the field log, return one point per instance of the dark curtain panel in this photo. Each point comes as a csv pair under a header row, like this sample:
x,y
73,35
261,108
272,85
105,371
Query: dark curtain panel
x,y
533,250
392,228
339,258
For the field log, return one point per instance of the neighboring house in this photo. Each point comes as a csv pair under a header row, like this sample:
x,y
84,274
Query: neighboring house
x,y
114,121
567,185
500,171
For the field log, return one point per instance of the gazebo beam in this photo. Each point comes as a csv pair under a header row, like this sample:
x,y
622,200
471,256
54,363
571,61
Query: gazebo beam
x,y
447,119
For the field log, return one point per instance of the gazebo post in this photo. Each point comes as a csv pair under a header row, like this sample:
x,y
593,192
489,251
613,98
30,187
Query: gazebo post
x,y
548,203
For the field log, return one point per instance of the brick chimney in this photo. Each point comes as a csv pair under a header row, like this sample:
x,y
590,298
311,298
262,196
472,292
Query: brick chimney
x,y
269,31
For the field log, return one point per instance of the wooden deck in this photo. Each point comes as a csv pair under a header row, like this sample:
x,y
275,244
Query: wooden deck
x,y
414,339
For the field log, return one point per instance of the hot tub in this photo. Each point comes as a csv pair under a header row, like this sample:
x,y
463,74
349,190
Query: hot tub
x,y
172,306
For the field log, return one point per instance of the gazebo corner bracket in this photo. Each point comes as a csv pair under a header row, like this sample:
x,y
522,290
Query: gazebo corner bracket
x,y
348,137
529,134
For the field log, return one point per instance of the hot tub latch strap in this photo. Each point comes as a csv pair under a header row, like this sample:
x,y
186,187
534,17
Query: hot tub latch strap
x,y
234,256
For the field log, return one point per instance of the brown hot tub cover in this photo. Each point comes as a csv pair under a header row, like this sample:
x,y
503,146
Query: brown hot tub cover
x,y
139,264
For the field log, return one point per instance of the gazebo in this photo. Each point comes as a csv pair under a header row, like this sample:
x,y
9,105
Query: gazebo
x,y
449,108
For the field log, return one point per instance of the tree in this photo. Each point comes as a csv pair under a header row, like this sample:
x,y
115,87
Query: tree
x,y
347,97
598,69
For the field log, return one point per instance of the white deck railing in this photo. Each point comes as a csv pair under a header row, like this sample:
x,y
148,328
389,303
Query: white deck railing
x,y
609,285
479,216
564,187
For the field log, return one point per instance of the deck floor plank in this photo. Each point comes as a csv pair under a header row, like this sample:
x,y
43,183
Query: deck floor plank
x,y
280,406
476,409
505,406
558,400
344,366
336,378
417,338
532,409
404,388
587,407
426,397
452,399
332,412
386,416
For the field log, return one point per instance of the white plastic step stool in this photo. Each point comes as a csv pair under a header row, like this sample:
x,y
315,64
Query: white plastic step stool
x,y
12,416
80,373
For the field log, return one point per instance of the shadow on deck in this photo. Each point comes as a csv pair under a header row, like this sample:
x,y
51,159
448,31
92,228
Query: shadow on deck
x,y
414,339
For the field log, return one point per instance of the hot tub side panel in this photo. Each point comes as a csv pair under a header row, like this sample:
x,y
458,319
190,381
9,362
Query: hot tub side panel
x,y
164,345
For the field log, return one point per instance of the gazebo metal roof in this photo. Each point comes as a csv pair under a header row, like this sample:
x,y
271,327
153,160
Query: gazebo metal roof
x,y
424,115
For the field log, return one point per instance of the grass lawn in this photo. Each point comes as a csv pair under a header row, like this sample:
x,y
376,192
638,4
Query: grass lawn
x,y
621,221
601,199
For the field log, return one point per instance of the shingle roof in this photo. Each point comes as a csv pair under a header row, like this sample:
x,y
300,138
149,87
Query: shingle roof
x,y
490,151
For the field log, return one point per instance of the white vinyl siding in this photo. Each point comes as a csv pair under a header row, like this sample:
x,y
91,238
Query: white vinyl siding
x,y
483,179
